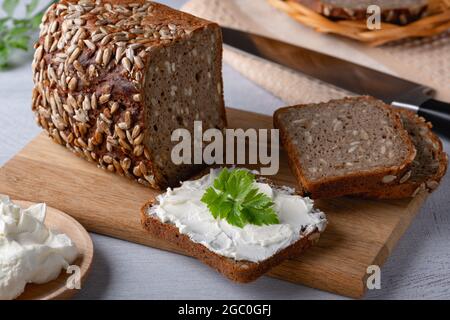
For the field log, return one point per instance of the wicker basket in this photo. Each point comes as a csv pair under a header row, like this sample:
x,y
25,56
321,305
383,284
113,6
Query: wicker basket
x,y
437,20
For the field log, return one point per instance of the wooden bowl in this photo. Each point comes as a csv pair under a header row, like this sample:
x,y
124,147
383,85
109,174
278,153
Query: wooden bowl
x,y
59,221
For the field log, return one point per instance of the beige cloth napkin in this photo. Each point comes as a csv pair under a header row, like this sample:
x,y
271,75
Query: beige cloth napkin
x,y
423,61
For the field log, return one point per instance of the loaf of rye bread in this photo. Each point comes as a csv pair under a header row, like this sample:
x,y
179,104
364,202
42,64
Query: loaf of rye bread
x,y
343,147
235,270
427,169
114,78
397,11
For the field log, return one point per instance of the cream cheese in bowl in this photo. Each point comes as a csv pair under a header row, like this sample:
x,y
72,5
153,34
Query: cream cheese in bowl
x,y
29,251
183,208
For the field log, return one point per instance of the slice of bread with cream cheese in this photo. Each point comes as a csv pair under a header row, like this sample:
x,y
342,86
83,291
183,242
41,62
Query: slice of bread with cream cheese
x,y
241,253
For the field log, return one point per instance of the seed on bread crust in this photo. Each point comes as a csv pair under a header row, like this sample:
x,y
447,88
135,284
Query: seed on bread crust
x,y
389,179
418,190
406,177
432,185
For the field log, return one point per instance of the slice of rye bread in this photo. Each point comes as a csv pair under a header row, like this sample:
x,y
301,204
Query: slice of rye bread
x,y
428,168
238,271
346,146
397,11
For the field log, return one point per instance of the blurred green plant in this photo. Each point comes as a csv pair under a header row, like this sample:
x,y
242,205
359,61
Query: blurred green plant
x,y
15,33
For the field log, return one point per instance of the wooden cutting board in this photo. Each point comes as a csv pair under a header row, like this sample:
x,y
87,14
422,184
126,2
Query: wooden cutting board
x,y
360,232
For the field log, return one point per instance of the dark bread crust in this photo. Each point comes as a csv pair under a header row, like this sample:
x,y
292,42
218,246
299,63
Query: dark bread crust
x,y
238,271
351,183
400,15
412,187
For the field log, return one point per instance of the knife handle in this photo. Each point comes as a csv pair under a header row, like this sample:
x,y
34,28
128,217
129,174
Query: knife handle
x,y
438,113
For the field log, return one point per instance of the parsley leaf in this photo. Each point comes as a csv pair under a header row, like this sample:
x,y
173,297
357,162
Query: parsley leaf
x,y
16,33
234,198
4,54
10,6
31,7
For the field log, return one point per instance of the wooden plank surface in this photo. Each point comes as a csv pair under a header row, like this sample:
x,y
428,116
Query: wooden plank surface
x,y
360,232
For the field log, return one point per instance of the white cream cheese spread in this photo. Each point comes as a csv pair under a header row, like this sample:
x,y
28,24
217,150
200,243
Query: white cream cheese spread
x,y
183,208
29,251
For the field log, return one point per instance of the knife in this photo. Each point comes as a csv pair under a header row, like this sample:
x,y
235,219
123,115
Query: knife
x,y
355,78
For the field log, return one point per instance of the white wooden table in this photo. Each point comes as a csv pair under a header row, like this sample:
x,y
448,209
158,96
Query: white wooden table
x,y
418,268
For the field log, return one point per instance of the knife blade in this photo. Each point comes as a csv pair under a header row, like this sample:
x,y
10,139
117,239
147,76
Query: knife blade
x,y
345,74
